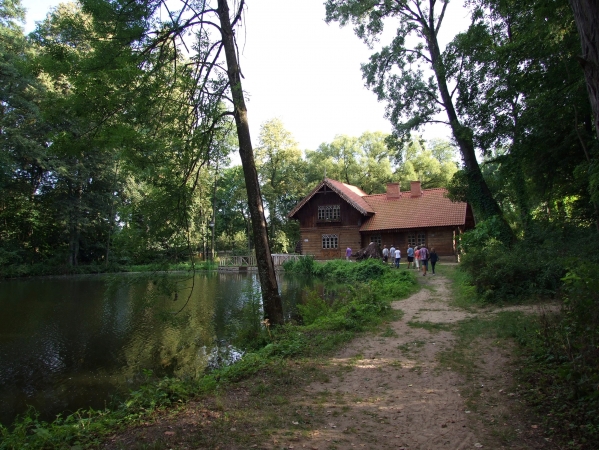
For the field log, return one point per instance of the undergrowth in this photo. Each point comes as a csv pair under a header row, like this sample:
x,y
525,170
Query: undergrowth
x,y
362,305
558,353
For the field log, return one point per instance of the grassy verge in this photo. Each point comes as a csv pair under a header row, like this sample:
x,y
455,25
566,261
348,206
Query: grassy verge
x,y
285,357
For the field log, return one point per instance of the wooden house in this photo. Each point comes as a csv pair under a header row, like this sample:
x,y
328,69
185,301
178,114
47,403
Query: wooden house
x,y
336,215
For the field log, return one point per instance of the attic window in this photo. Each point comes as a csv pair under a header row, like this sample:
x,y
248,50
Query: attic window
x,y
330,241
329,212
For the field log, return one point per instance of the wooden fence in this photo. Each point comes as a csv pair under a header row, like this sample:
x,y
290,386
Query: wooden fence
x,y
250,261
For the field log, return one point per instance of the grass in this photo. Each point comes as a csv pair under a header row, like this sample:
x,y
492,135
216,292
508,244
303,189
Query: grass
x,y
433,327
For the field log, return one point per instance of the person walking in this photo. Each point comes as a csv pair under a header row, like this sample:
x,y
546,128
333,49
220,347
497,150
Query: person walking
x,y
397,258
385,254
433,258
392,253
348,254
410,255
417,258
424,259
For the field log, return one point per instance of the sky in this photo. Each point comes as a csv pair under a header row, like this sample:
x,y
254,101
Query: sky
x,y
303,71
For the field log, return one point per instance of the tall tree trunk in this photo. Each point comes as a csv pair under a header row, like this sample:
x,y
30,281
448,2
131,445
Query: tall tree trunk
x,y
273,307
480,195
586,15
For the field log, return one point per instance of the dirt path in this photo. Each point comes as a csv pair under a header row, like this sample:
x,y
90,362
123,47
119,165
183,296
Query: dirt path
x,y
388,391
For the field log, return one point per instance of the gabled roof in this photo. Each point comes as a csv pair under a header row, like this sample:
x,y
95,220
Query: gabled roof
x,y
431,209
351,194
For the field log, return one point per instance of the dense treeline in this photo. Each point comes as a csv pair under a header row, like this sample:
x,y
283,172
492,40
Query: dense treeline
x,y
106,162
102,159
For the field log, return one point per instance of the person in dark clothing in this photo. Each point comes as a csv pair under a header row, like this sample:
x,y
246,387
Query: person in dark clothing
x,y
433,258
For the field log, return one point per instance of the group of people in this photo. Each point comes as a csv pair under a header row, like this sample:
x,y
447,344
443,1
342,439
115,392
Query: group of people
x,y
418,257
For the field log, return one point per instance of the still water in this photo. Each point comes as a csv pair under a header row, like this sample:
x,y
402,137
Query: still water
x,y
77,342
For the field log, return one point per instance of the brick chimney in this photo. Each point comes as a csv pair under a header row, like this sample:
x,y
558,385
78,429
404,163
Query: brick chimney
x,y
415,189
392,191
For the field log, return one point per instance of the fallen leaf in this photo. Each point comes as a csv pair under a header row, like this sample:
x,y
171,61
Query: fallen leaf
x,y
169,433
534,426
478,445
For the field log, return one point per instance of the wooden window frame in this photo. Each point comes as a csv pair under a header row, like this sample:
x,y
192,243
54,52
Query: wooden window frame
x,y
329,213
330,241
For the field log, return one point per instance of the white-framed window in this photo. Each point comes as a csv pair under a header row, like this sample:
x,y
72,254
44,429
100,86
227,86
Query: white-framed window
x,y
376,238
329,212
330,241
421,238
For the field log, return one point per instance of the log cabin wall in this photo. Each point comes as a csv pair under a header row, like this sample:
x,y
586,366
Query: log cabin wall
x,y
442,239
312,229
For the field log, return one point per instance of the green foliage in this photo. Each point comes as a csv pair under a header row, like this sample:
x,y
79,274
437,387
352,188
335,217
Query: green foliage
x,y
363,161
562,365
433,164
304,265
529,268
313,308
347,271
367,289
339,269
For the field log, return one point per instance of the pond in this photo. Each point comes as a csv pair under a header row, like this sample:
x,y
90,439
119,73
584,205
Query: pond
x,y
77,342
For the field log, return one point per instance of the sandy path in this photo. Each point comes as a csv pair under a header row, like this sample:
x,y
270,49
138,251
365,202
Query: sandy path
x,y
388,391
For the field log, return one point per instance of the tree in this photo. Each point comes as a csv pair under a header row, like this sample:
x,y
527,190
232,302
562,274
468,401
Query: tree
x,y
273,307
522,95
586,15
433,166
22,139
397,74
361,161
280,168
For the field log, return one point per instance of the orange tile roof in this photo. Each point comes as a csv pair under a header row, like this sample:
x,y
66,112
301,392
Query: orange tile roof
x,y
431,209
351,194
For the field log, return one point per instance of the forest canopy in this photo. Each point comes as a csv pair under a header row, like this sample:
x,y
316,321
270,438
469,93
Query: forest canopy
x,y
105,160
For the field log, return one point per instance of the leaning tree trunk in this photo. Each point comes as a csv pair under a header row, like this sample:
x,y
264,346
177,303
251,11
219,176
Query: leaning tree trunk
x,y
480,196
586,16
273,308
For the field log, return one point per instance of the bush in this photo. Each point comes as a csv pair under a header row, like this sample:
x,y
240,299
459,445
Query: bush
x,y
562,369
529,268
303,265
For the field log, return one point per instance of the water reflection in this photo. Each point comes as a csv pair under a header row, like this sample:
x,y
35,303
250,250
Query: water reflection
x,y
75,342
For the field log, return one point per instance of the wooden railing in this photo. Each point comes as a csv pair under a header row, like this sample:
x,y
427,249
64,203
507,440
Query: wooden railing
x,y
250,261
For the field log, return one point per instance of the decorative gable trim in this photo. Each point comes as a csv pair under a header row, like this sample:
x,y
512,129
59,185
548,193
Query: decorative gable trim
x,y
351,194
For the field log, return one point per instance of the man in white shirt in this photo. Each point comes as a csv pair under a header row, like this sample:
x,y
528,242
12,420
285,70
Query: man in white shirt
x,y
385,254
